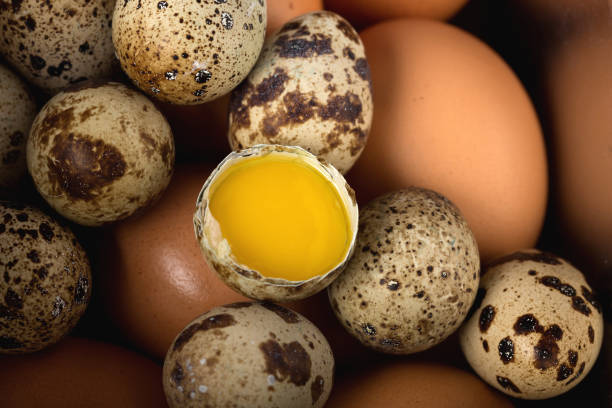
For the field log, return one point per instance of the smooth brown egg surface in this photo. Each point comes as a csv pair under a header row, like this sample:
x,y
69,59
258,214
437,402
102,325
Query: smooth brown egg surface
x,y
363,12
578,91
451,116
281,11
157,280
413,384
81,373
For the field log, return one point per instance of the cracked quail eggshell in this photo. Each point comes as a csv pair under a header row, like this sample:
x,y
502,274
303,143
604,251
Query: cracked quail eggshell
x,y
57,43
311,87
188,52
250,282
17,111
98,152
538,328
249,354
46,283
414,274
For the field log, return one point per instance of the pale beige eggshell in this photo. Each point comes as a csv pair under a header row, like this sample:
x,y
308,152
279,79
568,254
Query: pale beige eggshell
x,y
249,355
45,285
538,330
99,152
249,282
188,52
17,111
414,274
56,43
310,87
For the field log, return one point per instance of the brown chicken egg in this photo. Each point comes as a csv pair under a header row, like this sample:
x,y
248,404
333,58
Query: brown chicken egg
x,y
98,152
538,328
157,262
57,43
281,11
310,88
415,385
364,13
188,52
413,276
452,116
80,373
46,281
249,355
17,111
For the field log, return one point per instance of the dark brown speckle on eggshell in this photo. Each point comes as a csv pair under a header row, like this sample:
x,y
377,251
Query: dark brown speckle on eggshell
x,y
414,274
96,155
275,356
188,52
548,332
46,284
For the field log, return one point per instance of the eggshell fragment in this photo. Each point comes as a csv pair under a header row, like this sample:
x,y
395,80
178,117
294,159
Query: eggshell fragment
x,y
188,52
251,355
310,88
17,111
57,43
99,152
252,283
46,282
413,276
538,328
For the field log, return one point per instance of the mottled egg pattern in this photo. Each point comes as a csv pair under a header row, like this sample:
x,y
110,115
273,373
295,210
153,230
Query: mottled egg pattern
x,y
249,355
414,274
17,111
55,43
188,52
97,152
537,328
311,87
46,279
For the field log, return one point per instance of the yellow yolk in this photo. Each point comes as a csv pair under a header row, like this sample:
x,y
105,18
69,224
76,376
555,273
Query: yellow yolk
x,y
281,217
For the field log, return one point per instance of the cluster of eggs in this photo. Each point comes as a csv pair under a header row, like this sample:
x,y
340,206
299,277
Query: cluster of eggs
x,y
380,206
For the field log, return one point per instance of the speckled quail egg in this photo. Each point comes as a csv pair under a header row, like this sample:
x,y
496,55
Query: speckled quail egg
x,y
276,223
98,152
59,42
310,87
538,328
17,111
46,280
188,52
414,274
249,355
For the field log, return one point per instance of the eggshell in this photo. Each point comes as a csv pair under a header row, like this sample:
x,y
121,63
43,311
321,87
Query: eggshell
x,y
538,329
451,116
578,79
413,384
188,52
46,283
156,262
310,88
57,43
249,354
413,276
251,283
17,111
99,152
81,373
281,11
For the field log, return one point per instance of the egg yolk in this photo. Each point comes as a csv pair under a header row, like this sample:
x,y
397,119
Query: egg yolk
x,y
281,217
